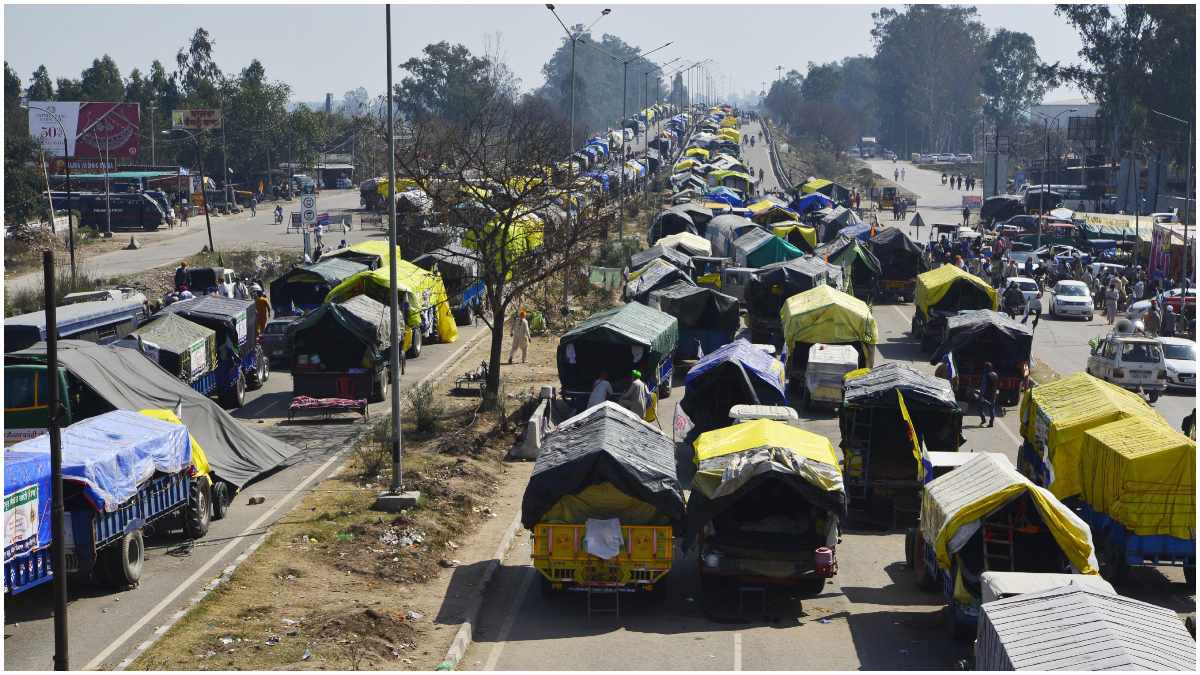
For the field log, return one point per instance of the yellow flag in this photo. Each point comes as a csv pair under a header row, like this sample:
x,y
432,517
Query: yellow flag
x,y
912,437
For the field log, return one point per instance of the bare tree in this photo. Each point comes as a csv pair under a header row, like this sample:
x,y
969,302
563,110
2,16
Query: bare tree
x,y
498,175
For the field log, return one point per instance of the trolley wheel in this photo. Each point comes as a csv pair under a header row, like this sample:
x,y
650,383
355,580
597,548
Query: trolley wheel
x,y
220,499
123,561
197,514
414,350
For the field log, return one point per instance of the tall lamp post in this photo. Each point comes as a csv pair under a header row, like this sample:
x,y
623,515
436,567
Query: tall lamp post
x,y
70,205
203,192
1045,169
574,39
1187,192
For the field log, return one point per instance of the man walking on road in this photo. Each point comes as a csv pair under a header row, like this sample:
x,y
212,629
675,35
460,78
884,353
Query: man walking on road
x,y
966,213
520,338
902,172
988,388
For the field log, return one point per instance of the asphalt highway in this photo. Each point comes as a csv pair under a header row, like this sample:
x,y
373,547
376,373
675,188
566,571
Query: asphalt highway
x,y
105,627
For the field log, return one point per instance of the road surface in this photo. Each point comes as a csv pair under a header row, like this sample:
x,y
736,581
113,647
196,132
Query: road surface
x,y
105,626
871,616
758,157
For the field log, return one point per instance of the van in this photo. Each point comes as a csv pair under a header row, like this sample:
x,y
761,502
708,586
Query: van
x,y
1130,361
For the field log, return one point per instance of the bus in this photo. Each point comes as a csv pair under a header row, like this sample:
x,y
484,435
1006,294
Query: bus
x,y
130,210
101,321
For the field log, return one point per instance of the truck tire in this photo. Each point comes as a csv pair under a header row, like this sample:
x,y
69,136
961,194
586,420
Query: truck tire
x,y
220,499
665,389
1189,576
910,543
258,377
197,513
810,587
235,396
414,350
1154,396
926,580
379,388
123,561
956,629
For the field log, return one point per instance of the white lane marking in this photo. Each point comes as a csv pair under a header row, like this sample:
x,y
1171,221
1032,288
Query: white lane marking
x,y
183,586
506,628
737,651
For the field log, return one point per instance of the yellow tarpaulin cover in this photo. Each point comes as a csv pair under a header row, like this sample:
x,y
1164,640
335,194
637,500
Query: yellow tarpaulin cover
x,y
809,233
717,207
729,121
684,165
1141,473
761,206
524,234
933,285
696,152
718,177
372,247
814,185
1055,415
603,500
825,315
199,459
984,484
765,433
420,288
731,134
402,184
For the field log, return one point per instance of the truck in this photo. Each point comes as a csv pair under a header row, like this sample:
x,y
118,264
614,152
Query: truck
x,y
122,472
342,350
241,363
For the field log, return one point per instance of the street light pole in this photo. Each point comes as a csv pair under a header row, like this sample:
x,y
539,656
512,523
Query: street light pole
x,y
1045,178
203,192
393,294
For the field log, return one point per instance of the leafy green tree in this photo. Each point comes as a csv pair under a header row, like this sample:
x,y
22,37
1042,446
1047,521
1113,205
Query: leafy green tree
x,y
23,199
784,97
67,89
102,81
198,76
1136,58
1012,77
41,88
447,82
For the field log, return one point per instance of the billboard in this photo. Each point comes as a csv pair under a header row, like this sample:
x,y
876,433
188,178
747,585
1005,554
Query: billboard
x,y
197,118
89,128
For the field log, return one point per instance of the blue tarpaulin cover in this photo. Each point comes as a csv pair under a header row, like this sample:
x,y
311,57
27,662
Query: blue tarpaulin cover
x,y
114,453
26,503
751,358
861,231
810,202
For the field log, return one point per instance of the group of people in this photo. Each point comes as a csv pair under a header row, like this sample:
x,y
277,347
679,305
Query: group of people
x,y
957,181
900,208
636,398
243,288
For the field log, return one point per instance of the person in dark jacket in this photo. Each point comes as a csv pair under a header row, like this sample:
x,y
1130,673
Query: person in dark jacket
x,y
989,388
180,276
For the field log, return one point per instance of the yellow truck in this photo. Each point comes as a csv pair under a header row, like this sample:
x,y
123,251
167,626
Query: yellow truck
x,y
604,513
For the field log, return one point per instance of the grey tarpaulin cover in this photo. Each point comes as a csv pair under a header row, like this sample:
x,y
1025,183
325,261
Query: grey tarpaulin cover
x,y
899,257
700,215
723,230
677,258
1080,629
697,307
227,316
980,328
176,339
773,284
657,274
129,381
671,221
604,444
878,387
309,284
362,316
612,331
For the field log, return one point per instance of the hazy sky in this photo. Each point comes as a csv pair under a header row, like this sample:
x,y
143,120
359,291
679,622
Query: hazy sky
x,y
324,48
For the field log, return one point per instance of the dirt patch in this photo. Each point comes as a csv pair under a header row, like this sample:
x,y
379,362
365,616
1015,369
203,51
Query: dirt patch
x,y
1042,373
339,586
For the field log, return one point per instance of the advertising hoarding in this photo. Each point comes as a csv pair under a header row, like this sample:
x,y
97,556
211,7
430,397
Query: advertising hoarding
x,y
196,118
91,128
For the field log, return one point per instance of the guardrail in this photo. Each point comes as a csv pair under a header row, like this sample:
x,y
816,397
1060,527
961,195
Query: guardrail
x,y
776,164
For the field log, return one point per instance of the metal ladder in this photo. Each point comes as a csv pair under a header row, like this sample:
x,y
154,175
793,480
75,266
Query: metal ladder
x,y
614,608
860,446
998,544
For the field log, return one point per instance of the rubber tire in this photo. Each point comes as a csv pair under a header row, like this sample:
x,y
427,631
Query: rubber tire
x,y
414,350
910,543
1189,575
1113,569
957,631
665,389
379,390
220,500
1154,396
236,397
256,379
120,572
198,512
810,588
925,580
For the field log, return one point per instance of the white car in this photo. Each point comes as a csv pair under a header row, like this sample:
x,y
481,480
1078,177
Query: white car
x,y
1130,361
1180,356
964,158
1071,298
1029,287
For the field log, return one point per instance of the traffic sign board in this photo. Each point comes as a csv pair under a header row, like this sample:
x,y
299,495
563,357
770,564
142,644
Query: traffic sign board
x,y
308,209
308,216
308,202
